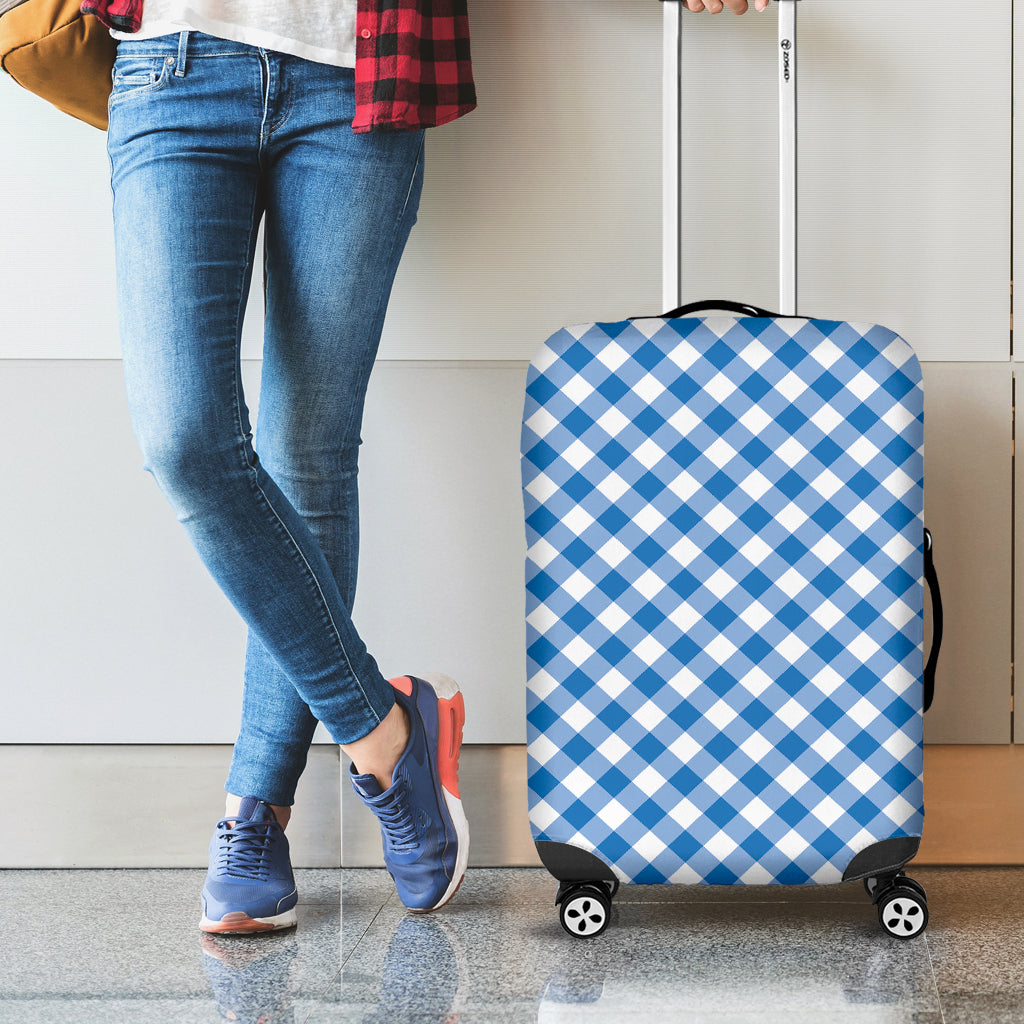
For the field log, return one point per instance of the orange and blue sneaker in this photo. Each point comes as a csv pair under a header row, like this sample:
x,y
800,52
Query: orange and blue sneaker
x,y
423,825
249,886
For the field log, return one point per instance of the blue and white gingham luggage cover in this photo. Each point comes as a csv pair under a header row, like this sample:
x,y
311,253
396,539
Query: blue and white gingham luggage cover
x,y
724,596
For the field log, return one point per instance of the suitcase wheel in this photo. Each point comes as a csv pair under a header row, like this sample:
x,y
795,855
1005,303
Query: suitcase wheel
x,y
871,885
902,906
585,909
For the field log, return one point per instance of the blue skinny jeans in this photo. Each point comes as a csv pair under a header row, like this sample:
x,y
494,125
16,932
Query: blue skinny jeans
x,y
207,137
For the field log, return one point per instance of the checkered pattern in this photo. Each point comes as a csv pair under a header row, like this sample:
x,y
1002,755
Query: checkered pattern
x,y
725,595
413,66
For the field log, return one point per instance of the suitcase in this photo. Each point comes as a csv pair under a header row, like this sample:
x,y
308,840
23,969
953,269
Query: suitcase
x,y
725,602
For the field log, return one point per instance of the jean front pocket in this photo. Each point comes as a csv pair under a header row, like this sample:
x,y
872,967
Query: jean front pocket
x,y
134,75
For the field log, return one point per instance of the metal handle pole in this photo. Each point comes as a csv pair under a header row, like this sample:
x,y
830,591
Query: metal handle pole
x,y
671,260
787,158
671,212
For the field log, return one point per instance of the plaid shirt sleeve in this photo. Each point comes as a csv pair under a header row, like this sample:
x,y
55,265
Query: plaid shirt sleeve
x,y
413,67
123,15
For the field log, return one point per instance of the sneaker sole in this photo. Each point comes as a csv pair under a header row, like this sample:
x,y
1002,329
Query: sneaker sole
x,y
451,716
240,923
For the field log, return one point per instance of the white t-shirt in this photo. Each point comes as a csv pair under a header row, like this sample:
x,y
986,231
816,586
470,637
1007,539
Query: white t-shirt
x,y
320,30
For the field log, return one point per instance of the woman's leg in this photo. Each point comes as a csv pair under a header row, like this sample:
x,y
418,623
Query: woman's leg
x,y
194,151
339,209
189,163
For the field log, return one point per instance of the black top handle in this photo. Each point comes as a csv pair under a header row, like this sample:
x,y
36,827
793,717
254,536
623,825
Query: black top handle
x,y
723,304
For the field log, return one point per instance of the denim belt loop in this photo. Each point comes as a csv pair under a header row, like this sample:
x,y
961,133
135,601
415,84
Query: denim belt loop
x,y
179,68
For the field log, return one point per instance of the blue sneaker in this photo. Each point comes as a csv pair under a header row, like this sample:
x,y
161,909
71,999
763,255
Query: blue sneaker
x,y
426,836
249,887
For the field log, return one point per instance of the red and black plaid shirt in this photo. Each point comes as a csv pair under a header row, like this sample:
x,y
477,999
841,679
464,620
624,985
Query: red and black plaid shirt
x,y
413,68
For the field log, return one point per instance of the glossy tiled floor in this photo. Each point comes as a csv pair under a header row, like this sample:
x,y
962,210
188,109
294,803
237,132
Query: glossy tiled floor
x,y
122,946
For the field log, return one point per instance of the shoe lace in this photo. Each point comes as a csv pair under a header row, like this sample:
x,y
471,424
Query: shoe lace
x,y
397,822
244,848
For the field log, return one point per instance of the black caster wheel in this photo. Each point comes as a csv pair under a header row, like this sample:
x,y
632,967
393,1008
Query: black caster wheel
x,y
912,883
903,911
585,911
871,885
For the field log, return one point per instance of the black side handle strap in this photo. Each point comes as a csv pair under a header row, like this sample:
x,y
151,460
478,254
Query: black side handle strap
x,y
726,304
932,579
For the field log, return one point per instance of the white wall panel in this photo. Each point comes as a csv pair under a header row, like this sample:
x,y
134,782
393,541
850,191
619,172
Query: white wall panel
x,y
443,545
57,284
56,263
543,206
904,167
111,631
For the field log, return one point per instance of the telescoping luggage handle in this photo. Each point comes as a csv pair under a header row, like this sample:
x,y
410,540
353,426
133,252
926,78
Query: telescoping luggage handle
x,y
671,141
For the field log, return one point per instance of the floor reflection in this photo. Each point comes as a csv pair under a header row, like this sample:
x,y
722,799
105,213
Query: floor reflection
x,y
723,988
251,976
423,972
498,955
715,961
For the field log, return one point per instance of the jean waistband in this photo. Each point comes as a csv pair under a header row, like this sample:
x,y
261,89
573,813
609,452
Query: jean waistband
x,y
184,44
